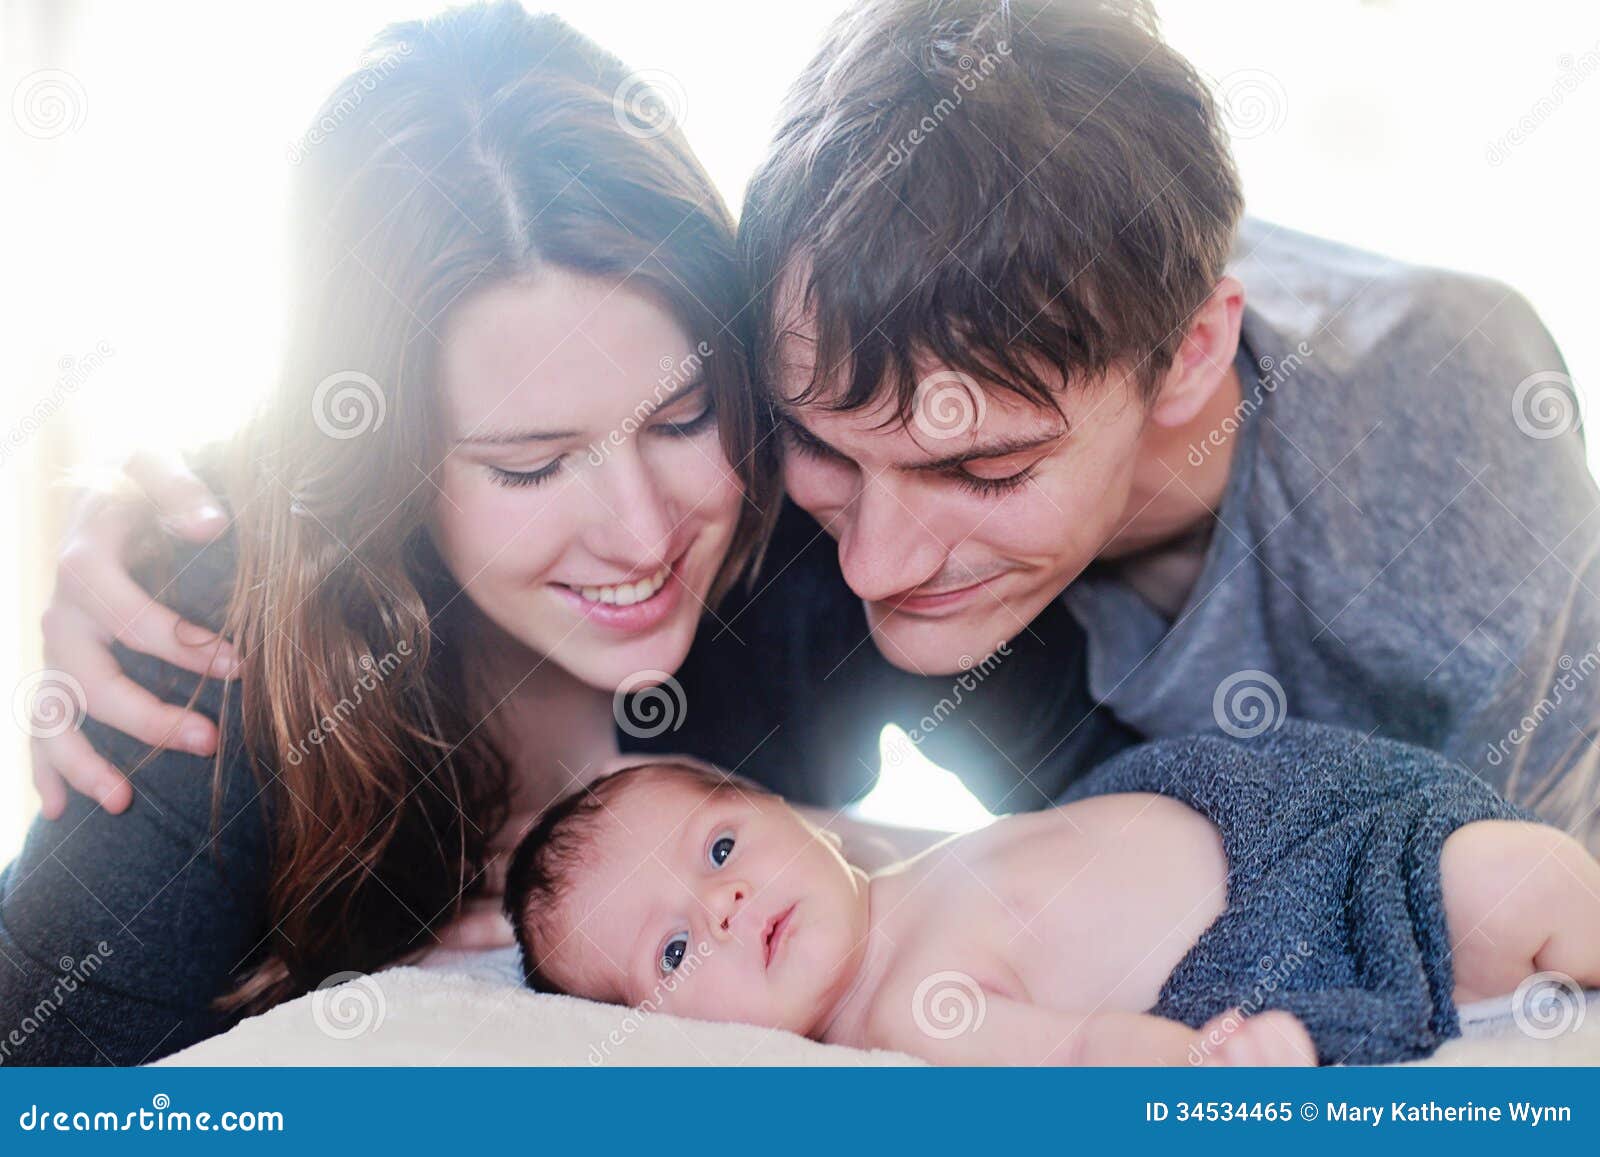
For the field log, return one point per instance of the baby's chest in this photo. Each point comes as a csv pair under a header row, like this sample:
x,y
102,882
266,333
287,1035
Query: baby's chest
x,y
1076,924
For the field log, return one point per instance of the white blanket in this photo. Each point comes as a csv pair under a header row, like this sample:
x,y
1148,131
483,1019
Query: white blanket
x,y
469,1010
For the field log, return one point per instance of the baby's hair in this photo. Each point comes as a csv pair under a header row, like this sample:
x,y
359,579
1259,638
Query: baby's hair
x,y
546,862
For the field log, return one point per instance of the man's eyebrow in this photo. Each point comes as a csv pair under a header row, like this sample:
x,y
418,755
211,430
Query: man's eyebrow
x,y
996,448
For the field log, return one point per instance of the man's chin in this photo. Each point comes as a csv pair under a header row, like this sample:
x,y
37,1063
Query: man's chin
x,y
945,647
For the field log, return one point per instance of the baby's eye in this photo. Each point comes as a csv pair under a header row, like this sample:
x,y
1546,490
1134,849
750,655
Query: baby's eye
x,y
721,849
672,952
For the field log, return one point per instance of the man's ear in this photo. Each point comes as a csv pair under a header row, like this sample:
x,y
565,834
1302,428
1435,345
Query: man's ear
x,y
1204,358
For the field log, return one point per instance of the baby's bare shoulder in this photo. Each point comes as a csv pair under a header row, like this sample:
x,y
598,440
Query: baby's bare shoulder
x,y
1127,821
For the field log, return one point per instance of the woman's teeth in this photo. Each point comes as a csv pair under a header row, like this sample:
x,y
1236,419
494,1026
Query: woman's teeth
x,y
626,594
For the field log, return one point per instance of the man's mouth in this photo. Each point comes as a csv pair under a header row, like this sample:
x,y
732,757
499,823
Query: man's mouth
x,y
772,937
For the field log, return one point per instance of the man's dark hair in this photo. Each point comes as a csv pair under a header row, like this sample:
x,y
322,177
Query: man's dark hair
x,y
999,186
548,859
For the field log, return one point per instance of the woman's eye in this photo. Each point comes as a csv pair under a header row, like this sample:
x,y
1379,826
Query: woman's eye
x,y
514,478
721,849
691,426
673,951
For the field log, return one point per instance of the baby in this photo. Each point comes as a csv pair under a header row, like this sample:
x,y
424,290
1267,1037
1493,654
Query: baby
x,y
1307,896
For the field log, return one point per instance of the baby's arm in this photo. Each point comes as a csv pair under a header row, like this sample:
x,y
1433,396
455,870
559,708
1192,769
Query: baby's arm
x,y
1015,1032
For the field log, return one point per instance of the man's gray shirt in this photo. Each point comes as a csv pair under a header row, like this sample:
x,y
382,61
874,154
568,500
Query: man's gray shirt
x,y
1407,541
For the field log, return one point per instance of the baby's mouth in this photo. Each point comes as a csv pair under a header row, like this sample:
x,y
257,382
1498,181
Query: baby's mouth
x,y
772,937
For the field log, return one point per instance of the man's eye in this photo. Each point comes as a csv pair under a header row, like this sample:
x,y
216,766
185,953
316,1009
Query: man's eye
x,y
721,849
673,951
992,487
800,440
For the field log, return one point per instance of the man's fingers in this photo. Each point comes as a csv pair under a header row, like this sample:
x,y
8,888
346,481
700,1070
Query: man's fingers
x,y
72,759
182,500
122,609
111,698
52,792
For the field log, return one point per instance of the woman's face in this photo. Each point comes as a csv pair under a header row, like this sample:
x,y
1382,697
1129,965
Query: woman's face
x,y
585,504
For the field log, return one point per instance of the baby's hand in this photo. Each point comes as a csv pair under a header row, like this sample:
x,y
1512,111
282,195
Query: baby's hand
x,y
1268,1038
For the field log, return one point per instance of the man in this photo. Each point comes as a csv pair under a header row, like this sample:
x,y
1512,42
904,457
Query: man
x,y
1015,363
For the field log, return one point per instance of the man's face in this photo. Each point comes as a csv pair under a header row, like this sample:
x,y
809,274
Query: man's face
x,y
958,527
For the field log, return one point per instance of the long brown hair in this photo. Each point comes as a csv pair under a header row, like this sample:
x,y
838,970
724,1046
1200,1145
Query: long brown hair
x,y
479,145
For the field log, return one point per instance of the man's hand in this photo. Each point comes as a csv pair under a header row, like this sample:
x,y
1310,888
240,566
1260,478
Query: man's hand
x,y
96,602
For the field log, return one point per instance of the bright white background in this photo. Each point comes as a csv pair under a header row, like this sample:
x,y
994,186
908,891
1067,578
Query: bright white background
x,y
153,225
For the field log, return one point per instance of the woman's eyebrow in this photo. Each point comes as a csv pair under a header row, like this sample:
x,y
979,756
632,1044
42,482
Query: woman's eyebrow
x,y
515,437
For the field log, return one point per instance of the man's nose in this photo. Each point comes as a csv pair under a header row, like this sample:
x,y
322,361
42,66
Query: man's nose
x,y
888,546
723,906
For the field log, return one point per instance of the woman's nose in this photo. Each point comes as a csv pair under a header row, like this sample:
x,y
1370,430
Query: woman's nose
x,y
724,905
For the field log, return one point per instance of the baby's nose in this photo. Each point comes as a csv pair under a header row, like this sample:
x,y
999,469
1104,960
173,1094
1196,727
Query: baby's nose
x,y
725,905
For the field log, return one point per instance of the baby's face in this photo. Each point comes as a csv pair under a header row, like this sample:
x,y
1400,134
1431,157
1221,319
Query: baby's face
x,y
714,905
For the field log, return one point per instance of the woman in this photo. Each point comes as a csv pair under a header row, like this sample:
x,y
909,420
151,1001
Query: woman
x,y
512,457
